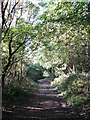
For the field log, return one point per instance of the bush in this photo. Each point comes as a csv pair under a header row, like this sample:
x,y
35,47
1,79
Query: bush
x,y
73,88
13,92
35,72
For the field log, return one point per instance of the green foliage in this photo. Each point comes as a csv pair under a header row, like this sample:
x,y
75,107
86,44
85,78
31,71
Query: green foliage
x,y
66,30
42,3
56,44
74,89
35,72
14,92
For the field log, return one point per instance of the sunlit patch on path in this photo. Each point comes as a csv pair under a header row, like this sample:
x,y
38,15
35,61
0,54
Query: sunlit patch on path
x,y
44,104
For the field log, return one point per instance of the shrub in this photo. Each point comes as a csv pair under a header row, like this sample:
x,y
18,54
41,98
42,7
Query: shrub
x,y
73,88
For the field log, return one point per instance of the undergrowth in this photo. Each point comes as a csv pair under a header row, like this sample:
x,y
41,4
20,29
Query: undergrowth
x,y
74,89
14,92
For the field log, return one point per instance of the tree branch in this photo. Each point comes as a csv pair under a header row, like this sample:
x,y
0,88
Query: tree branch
x,y
10,47
6,5
18,47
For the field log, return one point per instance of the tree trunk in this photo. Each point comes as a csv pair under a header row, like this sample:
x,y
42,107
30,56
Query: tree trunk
x,y
5,71
0,35
3,77
21,68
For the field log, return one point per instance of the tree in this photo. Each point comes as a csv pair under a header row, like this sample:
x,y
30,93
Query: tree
x,y
8,11
63,36
15,30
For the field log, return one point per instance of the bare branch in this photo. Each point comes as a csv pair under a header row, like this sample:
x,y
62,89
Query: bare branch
x,y
6,5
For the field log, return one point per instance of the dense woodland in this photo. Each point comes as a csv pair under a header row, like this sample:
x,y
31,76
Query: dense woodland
x,y
48,40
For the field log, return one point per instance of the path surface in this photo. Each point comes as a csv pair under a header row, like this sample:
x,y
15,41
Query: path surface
x,y
46,104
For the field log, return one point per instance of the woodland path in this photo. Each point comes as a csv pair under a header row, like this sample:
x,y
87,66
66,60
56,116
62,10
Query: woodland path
x,y
45,104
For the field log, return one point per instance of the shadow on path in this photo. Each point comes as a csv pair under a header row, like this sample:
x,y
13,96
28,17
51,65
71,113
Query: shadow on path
x,y
46,104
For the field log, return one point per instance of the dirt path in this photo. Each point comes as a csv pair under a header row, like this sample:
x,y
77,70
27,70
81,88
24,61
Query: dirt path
x,y
43,105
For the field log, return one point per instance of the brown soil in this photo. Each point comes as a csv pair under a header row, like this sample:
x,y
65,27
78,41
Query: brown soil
x,y
46,104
